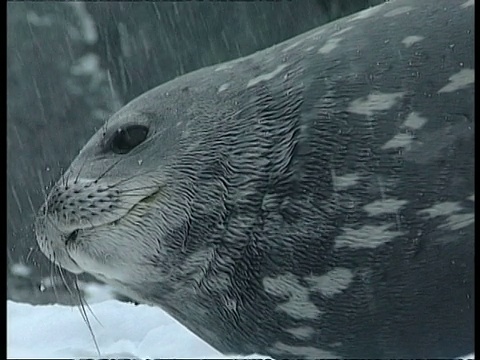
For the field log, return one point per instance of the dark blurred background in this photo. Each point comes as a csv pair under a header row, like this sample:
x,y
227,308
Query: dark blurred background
x,y
70,65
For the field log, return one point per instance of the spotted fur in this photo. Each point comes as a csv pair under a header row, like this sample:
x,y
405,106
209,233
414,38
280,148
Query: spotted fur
x,y
311,200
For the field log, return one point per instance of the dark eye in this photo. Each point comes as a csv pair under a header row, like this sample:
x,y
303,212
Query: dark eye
x,y
125,139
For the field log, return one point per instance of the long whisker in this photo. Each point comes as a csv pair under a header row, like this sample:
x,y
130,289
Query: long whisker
x,y
82,298
132,195
80,170
147,187
83,312
128,179
52,280
42,184
107,170
65,282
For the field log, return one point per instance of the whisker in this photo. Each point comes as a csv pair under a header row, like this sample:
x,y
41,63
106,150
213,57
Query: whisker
x,y
124,208
55,226
107,170
60,270
80,170
128,179
42,184
30,252
66,176
127,191
132,195
91,224
63,176
83,312
82,299
52,278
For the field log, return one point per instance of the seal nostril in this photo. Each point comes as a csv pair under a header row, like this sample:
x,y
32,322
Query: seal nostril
x,y
72,237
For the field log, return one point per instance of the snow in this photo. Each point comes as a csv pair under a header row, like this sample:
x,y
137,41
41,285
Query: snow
x,y
20,270
122,330
88,25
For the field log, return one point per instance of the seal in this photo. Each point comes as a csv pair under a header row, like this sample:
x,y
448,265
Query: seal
x,y
312,200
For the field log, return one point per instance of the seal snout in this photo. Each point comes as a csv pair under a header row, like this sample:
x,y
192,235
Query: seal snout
x,y
52,242
76,210
89,204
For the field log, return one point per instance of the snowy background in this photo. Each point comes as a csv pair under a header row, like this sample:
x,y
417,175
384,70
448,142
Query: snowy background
x,y
122,330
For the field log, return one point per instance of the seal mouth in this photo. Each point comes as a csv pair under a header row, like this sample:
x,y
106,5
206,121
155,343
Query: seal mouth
x,y
71,238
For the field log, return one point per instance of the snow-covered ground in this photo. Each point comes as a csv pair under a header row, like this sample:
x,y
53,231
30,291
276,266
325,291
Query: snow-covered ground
x,y
121,330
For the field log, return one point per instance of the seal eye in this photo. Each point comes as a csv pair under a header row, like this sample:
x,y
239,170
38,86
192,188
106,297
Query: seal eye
x,y
125,139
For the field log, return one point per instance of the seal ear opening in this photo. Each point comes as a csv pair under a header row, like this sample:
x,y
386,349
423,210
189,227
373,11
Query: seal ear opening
x,y
126,138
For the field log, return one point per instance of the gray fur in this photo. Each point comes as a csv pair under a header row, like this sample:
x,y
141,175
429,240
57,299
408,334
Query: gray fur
x,y
290,203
